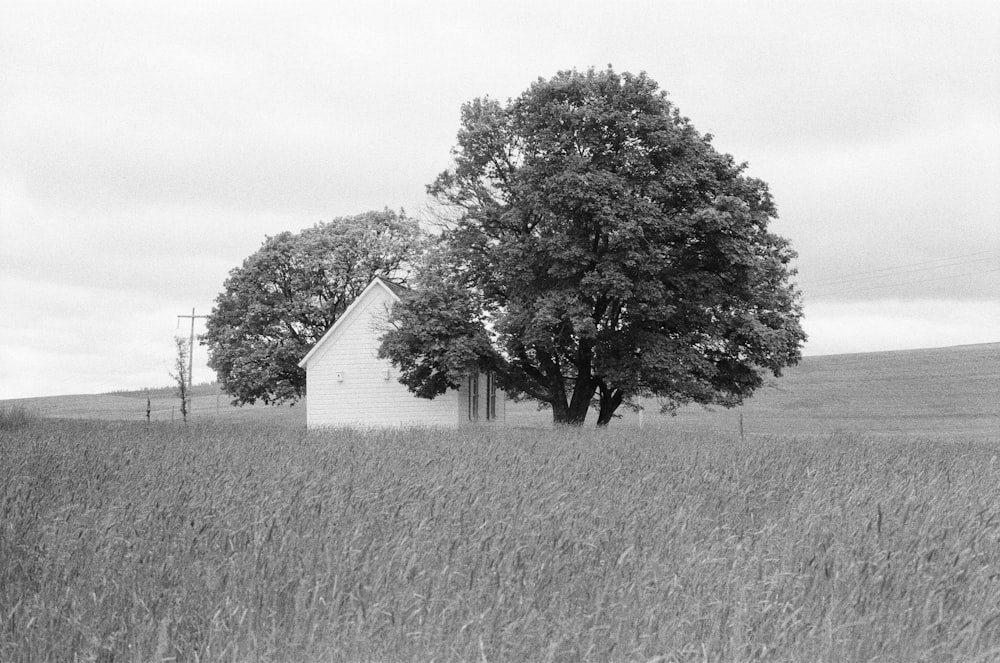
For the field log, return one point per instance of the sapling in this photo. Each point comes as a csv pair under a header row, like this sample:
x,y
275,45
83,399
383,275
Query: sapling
x,y
181,376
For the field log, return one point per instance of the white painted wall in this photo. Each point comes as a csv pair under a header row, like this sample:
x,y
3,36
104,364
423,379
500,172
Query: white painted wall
x,y
348,385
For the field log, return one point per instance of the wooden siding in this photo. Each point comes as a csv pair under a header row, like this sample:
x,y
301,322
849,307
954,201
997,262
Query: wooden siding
x,y
348,385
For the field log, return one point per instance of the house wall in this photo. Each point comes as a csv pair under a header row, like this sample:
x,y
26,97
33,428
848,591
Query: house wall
x,y
367,391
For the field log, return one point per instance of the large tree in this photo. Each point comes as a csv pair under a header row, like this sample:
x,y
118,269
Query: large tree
x,y
285,296
598,249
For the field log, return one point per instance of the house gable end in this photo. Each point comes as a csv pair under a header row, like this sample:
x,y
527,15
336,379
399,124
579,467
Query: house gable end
x,y
349,385
347,318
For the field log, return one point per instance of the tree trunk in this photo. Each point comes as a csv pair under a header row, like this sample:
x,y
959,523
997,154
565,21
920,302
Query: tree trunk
x,y
569,416
560,412
610,400
566,410
574,413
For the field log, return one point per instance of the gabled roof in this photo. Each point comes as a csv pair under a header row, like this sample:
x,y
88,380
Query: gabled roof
x,y
397,289
394,289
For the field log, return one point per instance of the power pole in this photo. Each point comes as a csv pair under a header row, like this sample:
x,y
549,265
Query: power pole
x,y
191,345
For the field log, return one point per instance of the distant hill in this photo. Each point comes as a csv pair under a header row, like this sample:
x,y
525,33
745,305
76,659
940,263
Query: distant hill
x,y
940,391
208,402
952,392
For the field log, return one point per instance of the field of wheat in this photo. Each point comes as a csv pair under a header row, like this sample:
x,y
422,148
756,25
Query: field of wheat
x,y
224,542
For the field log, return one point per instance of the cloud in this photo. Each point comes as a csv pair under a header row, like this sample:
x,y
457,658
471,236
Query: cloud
x,y
59,338
147,148
927,195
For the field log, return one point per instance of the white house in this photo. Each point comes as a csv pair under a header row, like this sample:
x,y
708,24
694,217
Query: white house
x,y
348,385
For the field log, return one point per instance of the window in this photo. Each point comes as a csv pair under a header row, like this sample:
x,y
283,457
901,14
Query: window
x,y
473,389
491,397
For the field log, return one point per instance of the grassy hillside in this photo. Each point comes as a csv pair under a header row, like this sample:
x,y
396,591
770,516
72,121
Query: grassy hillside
x,y
945,391
208,403
940,392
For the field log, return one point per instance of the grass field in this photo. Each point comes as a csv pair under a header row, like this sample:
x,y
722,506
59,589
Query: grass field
x,y
256,543
243,537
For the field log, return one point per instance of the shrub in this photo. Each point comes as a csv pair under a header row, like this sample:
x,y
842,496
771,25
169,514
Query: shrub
x,y
16,417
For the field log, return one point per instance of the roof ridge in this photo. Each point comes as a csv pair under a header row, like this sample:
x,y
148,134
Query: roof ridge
x,y
397,288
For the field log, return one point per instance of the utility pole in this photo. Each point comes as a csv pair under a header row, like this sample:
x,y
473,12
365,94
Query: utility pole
x,y
191,345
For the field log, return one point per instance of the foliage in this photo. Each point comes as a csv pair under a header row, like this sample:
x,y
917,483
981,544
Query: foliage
x,y
182,377
253,543
285,296
607,252
437,335
15,417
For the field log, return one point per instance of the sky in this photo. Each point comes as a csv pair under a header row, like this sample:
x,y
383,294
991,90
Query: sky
x,y
147,148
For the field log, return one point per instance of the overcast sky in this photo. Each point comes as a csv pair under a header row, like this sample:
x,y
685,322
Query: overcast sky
x,y
147,148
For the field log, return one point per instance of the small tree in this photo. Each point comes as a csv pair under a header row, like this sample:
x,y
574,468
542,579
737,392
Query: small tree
x,y
181,376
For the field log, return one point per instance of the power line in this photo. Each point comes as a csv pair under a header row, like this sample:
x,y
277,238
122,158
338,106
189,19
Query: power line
x,y
899,272
882,286
908,268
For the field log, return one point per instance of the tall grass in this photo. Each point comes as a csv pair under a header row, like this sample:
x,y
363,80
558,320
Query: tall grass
x,y
15,417
260,544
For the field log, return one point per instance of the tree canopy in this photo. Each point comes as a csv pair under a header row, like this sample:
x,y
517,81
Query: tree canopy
x,y
285,296
597,250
